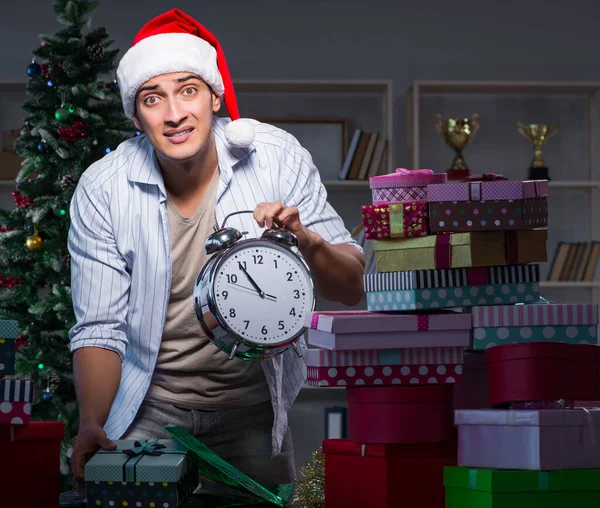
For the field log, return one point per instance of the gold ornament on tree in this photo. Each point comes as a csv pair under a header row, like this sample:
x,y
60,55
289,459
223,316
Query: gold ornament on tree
x,y
310,493
34,241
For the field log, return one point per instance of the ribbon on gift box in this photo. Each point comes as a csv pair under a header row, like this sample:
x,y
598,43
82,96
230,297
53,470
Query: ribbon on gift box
x,y
412,172
475,182
477,276
423,323
140,449
442,251
511,245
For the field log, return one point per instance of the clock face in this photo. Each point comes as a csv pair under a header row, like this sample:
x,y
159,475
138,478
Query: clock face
x,y
263,292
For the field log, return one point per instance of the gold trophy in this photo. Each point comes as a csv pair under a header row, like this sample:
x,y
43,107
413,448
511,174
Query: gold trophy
x,y
458,134
538,134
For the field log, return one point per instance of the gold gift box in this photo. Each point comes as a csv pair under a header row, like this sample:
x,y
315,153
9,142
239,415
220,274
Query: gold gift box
x,y
483,248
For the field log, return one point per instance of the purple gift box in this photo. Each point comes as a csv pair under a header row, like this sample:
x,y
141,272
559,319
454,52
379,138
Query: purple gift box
x,y
540,440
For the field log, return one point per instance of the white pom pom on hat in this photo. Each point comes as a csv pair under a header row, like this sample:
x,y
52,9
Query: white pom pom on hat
x,y
176,42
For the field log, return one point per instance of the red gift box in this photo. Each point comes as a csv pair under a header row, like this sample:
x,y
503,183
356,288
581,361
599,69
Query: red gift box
x,y
385,475
30,453
400,414
542,371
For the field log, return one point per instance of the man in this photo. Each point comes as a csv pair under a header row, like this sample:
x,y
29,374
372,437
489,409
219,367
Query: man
x,y
140,217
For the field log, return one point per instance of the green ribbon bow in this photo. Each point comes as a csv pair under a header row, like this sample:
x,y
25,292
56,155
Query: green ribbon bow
x,y
145,447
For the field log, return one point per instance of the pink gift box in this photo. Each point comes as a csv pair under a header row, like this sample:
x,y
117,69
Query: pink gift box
x,y
349,322
487,190
523,439
370,357
554,314
16,396
403,185
385,375
400,414
472,392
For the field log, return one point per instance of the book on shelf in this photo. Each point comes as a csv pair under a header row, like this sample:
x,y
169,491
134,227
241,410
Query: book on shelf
x,y
575,262
364,157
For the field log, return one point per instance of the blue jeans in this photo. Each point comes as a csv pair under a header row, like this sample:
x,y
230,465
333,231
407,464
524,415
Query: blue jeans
x,y
241,436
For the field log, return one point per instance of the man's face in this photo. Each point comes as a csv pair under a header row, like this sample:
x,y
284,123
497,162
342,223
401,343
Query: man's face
x,y
175,112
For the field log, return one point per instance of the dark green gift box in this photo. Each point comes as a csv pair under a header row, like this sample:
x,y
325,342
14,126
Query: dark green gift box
x,y
495,488
156,473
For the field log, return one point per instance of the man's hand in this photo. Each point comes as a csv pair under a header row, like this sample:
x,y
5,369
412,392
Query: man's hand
x,y
89,440
270,214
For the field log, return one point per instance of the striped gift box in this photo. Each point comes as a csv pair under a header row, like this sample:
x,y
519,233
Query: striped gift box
x,y
452,277
371,357
17,390
555,314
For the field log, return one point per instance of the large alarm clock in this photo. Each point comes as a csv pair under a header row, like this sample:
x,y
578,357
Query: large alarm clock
x,y
253,295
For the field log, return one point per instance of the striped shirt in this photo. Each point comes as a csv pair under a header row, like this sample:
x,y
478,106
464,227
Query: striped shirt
x,y
121,252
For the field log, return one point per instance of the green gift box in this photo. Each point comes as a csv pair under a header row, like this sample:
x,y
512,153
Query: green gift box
x,y
151,473
495,488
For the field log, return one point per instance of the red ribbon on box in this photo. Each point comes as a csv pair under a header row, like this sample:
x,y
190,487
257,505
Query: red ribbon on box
x,y
511,246
477,276
423,323
442,251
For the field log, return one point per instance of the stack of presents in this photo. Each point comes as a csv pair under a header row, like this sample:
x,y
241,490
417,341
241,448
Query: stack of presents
x,y
465,388
30,448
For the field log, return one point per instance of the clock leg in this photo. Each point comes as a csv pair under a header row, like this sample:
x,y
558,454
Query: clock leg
x,y
296,348
233,350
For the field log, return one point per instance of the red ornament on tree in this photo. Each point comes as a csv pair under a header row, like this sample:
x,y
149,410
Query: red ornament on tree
x,y
20,200
71,134
4,229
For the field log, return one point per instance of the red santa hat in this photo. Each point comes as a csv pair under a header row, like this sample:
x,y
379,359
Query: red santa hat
x,y
176,42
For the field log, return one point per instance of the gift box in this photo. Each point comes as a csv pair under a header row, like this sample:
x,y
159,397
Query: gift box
x,y
472,391
442,298
403,185
30,452
542,371
571,323
497,215
16,398
489,488
145,471
395,331
395,220
9,331
461,250
400,414
487,189
451,277
385,475
523,439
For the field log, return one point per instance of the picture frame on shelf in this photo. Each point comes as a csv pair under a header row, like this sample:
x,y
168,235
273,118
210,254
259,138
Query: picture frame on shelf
x,y
326,139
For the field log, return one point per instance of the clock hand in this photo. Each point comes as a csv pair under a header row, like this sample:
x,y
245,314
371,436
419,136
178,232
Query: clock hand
x,y
254,284
267,296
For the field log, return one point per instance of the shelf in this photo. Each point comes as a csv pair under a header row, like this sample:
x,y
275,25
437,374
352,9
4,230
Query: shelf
x,y
572,87
571,284
346,184
574,184
312,86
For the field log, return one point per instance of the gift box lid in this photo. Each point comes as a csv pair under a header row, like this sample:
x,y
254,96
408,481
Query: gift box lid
x,y
390,450
17,390
407,178
33,431
506,480
483,189
389,394
376,322
554,314
474,238
155,460
528,418
9,329
581,353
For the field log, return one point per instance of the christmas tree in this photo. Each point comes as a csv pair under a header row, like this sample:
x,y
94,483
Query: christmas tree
x,y
73,117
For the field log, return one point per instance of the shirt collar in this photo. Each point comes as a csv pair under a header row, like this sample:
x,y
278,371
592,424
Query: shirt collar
x,y
144,167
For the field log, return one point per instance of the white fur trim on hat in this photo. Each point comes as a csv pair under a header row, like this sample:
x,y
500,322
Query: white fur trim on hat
x,y
239,133
164,54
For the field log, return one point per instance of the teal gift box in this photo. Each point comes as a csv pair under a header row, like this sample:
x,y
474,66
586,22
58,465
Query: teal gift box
x,y
462,296
150,473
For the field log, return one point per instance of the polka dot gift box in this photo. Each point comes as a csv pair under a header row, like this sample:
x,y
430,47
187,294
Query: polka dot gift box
x,y
16,397
508,324
156,473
